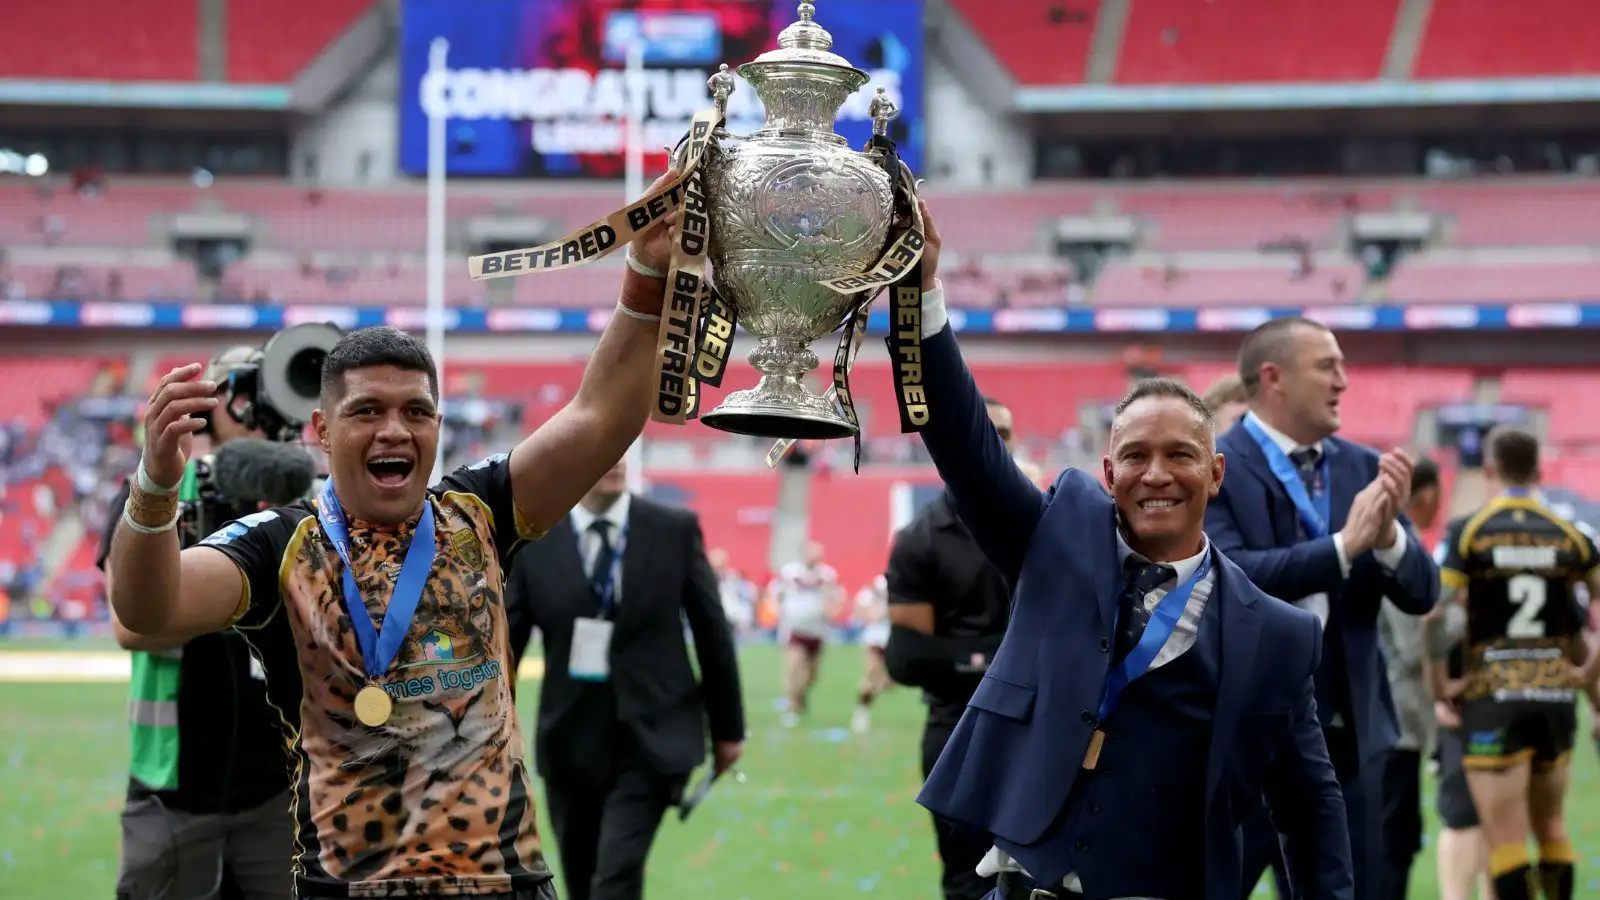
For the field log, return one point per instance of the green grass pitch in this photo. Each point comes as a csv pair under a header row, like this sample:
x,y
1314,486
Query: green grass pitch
x,y
822,812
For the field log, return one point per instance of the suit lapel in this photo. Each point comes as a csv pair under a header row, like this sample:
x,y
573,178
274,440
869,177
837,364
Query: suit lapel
x,y
1241,635
1345,482
1285,519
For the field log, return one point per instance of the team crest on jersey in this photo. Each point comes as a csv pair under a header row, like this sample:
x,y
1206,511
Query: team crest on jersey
x,y
466,545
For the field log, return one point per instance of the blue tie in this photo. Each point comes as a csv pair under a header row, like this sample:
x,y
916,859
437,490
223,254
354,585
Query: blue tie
x,y
1140,577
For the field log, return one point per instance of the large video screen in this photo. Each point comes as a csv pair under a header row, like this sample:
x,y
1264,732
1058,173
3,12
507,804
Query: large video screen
x,y
539,88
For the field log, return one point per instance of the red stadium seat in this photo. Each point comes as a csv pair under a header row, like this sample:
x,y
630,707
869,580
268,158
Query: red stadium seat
x,y
1042,42
1493,39
1231,41
267,46
101,40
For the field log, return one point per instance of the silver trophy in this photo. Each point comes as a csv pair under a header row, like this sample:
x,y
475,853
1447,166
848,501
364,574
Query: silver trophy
x,y
790,205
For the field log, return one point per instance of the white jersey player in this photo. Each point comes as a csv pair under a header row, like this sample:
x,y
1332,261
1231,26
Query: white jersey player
x,y
872,611
807,592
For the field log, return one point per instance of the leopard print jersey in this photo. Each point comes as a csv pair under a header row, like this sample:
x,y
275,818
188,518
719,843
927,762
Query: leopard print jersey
x,y
437,801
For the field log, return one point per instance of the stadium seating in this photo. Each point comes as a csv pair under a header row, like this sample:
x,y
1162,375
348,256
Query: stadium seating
x,y
104,40
1572,397
1492,39
1042,42
267,46
1213,244
1230,41
852,515
735,510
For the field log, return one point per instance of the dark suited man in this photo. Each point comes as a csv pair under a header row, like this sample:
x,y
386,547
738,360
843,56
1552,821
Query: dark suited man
x,y
622,722
1121,734
948,607
1317,521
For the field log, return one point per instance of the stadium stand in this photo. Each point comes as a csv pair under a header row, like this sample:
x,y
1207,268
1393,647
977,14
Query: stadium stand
x,y
1040,41
1239,41
1486,39
101,39
267,47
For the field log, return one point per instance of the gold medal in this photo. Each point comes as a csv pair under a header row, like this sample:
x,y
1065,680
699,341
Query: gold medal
x,y
373,706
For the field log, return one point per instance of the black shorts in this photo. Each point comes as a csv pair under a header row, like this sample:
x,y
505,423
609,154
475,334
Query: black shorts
x,y
1453,801
1502,734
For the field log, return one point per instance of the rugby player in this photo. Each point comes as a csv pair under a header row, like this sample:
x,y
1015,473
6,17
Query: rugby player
x,y
1515,565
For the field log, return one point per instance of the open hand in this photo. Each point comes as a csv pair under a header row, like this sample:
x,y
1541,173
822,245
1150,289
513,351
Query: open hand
x,y
170,422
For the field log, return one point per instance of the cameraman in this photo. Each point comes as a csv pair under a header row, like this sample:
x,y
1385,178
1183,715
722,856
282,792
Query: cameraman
x,y
207,810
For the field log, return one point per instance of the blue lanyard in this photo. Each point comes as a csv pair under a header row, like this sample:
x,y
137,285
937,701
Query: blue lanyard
x,y
378,649
1162,623
1313,511
1516,493
606,590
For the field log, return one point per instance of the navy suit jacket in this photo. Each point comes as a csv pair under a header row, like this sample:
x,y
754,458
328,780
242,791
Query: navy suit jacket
x,y
1012,760
1253,521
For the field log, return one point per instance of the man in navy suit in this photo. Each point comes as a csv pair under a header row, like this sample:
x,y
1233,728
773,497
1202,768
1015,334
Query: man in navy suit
x,y
1317,521
1146,695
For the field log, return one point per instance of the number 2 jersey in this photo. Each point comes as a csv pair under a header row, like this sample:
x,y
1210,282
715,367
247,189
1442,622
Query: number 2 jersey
x,y
1520,563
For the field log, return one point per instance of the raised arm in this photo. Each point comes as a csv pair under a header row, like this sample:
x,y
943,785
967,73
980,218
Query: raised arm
x,y
996,500
556,465
153,589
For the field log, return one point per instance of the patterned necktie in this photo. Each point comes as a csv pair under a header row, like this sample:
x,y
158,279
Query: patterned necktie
x,y
600,572
1305,462
1140,577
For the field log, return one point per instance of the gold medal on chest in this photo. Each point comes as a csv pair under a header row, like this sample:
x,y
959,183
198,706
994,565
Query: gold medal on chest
x,y
373,706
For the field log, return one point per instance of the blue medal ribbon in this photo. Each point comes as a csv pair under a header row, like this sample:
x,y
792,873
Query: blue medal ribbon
x,y
1313,511
1516,492
1163,621
379,648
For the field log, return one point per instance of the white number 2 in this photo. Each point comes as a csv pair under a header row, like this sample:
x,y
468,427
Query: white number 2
x,y
1527,593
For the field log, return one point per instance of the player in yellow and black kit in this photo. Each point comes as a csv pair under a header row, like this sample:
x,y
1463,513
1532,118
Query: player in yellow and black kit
x,y
1515,564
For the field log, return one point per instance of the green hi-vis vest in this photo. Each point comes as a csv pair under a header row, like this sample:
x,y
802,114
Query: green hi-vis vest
x,y
153,700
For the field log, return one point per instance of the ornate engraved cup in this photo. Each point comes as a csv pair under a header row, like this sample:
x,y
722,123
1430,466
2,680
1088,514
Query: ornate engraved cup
x,y
789,205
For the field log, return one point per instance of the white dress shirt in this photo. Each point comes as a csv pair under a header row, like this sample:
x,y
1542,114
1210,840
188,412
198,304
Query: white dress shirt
x,y
589,542
1182,638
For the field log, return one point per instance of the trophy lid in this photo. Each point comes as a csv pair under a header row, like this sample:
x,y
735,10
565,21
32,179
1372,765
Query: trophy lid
x,y
804,42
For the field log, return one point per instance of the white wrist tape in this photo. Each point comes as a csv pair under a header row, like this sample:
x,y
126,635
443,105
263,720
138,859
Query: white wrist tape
x,y
150,487
641,268
635,314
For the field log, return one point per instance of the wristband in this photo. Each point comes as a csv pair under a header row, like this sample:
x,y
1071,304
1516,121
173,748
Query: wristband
x,y
127,520
641,268
635,314
150,487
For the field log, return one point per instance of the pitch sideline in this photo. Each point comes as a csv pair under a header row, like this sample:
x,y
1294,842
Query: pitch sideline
x,y
110,666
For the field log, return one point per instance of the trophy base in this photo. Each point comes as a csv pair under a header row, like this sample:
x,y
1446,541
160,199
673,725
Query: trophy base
x,y
779,407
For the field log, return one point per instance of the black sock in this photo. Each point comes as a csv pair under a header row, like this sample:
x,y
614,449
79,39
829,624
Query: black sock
x,y
1556,878
1516,884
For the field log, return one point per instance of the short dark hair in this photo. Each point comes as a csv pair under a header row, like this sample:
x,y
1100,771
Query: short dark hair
x,y
1166,387
380,345
1516,455
1268,342
1425,474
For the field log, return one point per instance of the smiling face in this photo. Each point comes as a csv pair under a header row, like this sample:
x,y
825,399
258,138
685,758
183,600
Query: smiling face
x,y
381,434
1163,468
